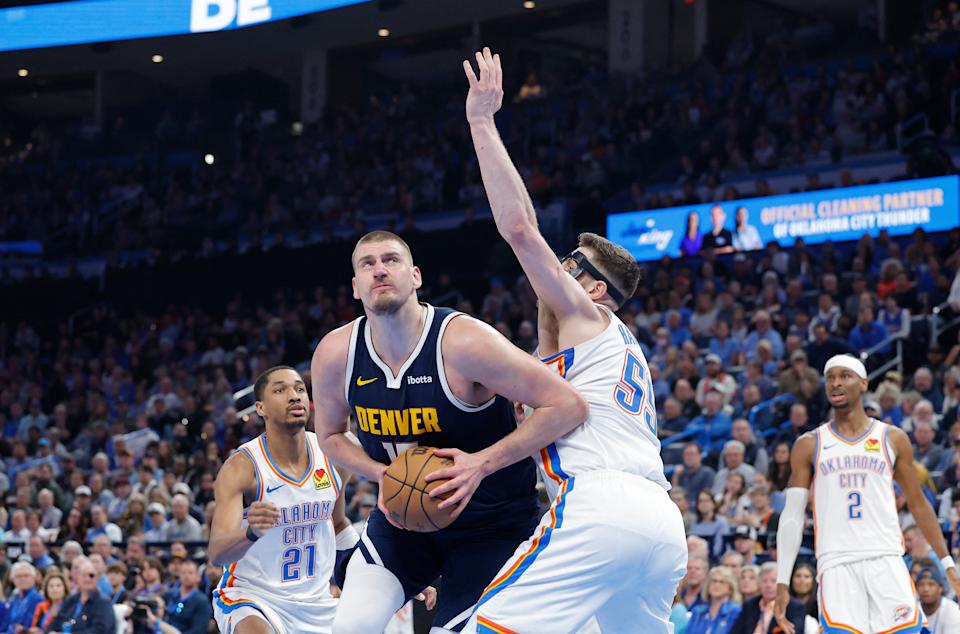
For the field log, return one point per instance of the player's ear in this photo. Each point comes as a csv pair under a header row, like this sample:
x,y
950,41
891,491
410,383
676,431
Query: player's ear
x,y
598,290
259,407
353,284
417,278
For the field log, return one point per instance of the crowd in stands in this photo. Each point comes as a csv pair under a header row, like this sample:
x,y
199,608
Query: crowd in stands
x,y
112,433
767,102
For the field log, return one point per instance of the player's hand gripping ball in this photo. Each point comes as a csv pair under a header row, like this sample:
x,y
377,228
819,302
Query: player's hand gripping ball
x,y
406,495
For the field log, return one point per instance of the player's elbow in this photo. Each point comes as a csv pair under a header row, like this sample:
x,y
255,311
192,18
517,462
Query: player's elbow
x,y
218,555
576,407
516,231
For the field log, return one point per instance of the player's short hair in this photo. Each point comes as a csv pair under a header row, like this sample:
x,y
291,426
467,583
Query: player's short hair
x,y
379,236
614,261
261,384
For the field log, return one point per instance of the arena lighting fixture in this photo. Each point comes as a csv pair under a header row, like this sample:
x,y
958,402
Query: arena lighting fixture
x,y
383,32
208,159
23,72
529,4
157,59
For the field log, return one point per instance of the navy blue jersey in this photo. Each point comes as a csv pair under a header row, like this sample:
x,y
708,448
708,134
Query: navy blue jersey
x,y
417,407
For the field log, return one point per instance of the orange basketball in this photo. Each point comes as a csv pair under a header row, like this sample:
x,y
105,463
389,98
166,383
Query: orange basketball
x,y
406,494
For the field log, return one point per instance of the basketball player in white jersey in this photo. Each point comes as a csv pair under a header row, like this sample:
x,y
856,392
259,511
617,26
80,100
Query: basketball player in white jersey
x,y
851,463
612,544
278,510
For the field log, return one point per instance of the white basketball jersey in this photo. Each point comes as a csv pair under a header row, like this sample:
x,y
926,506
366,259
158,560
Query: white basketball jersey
x,y
854,509
611,372
294,559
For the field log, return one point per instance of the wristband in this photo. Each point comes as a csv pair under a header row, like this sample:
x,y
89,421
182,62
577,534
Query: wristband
x,y
347,538
947,563
251,535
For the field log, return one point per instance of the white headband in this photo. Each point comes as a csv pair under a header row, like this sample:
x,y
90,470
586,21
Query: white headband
x,y
846,361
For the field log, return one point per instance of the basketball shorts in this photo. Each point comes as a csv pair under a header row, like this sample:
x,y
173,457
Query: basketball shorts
x,y
612,545
466,558
232,605
873,595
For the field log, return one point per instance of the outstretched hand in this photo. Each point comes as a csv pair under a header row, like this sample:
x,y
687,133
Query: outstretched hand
x,y
486,93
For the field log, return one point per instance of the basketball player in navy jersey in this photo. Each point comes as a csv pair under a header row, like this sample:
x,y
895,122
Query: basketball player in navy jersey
x,y
414,374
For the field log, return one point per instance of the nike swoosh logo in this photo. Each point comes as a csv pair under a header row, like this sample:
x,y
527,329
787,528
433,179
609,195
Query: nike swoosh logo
x,y
825,447
362,381
272,489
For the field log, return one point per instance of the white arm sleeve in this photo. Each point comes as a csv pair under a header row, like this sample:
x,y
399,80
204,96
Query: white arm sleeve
x,y
790,532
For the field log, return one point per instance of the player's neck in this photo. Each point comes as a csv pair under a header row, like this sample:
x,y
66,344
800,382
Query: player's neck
x,y
851,422
395,336
288,449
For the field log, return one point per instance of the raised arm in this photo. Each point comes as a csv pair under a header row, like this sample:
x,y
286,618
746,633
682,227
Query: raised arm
x,y
905,474
509,201
790,528
229,540
480,355
331,413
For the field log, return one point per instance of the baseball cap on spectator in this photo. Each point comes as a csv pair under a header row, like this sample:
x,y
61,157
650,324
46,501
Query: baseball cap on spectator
x,y
121,480
872,405
894,377
745,531
178,550
83,490
712,358
44,442
368,500
156,507
798,355
181,487
933,574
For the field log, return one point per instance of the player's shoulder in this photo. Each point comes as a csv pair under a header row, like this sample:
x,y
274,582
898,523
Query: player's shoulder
x,y
336,340
463,329
806,443
333,349
895,436
238,468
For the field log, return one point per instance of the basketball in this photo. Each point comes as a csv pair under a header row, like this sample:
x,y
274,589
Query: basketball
x,y
407,495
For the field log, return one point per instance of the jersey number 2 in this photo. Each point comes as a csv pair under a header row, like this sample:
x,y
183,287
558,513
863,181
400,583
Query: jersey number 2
x,y
291,570
854,508
634,392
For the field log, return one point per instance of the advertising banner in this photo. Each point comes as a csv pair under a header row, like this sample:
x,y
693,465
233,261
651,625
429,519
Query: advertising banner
x,y
835,215
64,23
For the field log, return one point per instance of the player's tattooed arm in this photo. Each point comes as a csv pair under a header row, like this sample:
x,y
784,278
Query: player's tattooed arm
x,y
228,538
905,474
510,203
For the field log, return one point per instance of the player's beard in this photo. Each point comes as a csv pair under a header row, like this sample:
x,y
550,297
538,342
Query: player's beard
x,y
293,422
387,304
